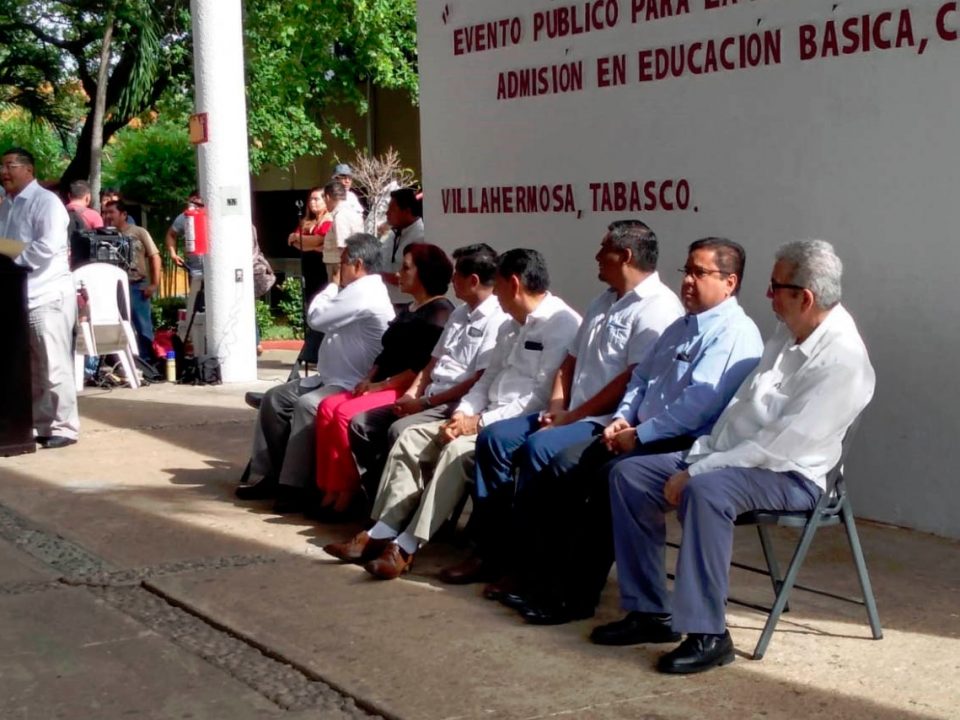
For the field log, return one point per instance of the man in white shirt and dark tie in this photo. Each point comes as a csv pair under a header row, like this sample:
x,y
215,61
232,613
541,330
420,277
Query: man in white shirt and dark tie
x,y
771,449
406,227
37,218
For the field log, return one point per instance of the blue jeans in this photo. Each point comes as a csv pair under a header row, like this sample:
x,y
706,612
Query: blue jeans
x,y
142,320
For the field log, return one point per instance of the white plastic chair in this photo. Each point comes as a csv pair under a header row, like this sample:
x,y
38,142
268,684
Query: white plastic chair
x,y
107,329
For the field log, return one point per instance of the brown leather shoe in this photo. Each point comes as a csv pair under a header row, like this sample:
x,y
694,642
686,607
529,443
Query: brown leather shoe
x,y
474,569
360,548
393,562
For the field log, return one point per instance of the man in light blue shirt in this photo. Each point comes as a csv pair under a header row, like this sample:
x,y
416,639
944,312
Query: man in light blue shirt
x,y
676,393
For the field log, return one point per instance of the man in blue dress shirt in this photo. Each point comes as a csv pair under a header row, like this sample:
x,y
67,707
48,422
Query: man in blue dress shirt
x,y
561,514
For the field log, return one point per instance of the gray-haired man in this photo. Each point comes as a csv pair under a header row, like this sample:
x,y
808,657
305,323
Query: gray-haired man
x,y
771,449
353,318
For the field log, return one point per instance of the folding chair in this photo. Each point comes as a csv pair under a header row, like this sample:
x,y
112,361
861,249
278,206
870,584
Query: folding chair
x,y
107,329
833,508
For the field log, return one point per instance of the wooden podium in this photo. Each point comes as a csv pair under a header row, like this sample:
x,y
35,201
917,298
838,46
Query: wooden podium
x,y
16,408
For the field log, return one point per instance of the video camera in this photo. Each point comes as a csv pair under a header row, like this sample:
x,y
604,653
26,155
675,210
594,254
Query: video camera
x,y
105,245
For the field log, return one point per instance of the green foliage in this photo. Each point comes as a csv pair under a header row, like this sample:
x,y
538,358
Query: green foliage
x,y
16,129
154,164
291,304
280,332
263,315
50,55
164,310
306,57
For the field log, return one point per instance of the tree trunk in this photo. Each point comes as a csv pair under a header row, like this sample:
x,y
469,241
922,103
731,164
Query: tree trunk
x,y
99,111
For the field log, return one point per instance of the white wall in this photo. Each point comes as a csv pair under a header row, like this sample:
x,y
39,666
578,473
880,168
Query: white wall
x,y
858,149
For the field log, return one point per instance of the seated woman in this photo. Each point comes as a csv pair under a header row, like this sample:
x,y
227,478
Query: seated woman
x,y
407,344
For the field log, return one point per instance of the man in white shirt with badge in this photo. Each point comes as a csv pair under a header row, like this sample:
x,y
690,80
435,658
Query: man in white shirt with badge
x,y
353,319
770,449
37,218
410,506
460,357
620,327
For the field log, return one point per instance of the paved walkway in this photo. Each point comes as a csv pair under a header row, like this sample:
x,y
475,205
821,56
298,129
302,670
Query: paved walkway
x,y
133,584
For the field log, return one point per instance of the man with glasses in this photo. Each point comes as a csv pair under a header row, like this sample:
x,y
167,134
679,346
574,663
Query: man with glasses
x,y
771,449
37,218
353,319
564,540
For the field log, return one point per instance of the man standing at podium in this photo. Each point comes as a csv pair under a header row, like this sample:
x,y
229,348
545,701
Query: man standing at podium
x,y
37,217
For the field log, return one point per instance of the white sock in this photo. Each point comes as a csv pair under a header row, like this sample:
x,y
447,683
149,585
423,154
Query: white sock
x,y
381,531
408,543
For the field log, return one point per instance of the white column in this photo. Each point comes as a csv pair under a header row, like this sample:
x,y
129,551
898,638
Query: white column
x,y
225,186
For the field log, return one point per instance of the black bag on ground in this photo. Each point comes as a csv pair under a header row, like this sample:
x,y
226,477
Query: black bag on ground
x,y
202,370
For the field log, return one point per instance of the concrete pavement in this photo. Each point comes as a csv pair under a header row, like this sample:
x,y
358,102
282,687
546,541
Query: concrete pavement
x,y
133,584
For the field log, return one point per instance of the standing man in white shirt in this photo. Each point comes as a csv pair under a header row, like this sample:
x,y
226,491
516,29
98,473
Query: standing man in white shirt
x,y
343,174
771,449
620,327
404,217
37,217
353,320
346,222
530,347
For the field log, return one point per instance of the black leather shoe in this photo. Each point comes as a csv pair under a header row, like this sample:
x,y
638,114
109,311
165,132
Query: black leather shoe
x,y
555,614
55,441
515,600
289,500
254,399
698,653
634,629
262,490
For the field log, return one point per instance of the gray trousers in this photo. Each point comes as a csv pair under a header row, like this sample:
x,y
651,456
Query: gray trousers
x,y
708,507
51,367
284,439
374,432
423,480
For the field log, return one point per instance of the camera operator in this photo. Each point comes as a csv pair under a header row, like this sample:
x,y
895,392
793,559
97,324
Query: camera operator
x,y
144,274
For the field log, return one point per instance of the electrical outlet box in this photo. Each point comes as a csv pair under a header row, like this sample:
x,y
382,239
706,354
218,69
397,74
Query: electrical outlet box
x,y
238,275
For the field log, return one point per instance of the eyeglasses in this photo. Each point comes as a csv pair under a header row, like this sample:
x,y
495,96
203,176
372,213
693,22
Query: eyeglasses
x,y
11,165
699,273
774,286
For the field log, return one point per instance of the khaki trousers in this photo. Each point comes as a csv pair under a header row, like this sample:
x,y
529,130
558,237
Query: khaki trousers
x,y
423,480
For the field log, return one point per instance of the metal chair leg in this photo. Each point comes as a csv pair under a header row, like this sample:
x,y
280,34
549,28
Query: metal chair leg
x,y
846,515
773,566
796,562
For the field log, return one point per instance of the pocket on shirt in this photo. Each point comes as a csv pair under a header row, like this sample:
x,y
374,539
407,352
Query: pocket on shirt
x,y
616,335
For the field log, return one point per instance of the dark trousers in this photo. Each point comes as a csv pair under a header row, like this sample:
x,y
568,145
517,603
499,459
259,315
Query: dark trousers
x,y
563,523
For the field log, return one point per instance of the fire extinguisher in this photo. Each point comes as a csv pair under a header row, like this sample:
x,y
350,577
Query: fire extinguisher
x,y
195,232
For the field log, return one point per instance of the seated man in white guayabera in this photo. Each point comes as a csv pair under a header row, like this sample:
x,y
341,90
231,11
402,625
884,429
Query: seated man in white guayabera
x,y
353,318
530,347
771,449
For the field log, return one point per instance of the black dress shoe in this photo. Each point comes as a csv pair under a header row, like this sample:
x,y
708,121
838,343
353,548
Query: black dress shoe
x,y
634,629
697,653
254,399
289,500
555,613
515,600
55,441
262,490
